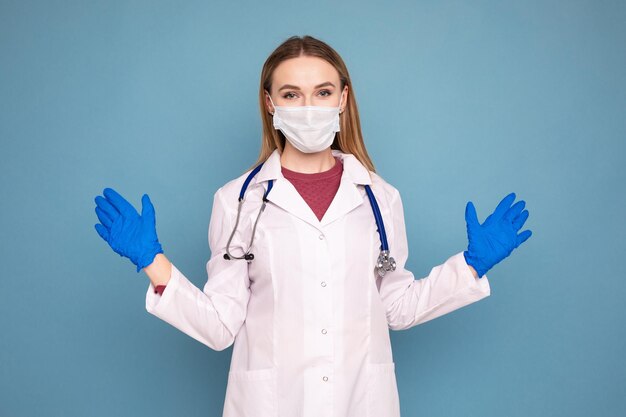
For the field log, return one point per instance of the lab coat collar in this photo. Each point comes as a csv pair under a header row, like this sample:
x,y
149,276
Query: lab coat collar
x,y
286,196
352,168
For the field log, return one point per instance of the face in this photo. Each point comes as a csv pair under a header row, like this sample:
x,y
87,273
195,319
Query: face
x,y
306,81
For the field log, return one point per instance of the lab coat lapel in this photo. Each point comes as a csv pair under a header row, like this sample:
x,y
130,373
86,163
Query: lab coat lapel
x,y
347,198
351,193
285,195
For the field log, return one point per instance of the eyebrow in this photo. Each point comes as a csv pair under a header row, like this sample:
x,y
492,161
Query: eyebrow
x,y
295,87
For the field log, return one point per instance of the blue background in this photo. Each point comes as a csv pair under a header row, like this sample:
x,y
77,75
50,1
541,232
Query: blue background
x,y
459,101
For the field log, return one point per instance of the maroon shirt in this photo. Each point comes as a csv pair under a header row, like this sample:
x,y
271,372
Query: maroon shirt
x,y
318,190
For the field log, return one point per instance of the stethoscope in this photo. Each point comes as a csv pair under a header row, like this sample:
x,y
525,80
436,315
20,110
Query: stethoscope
x,y
383,264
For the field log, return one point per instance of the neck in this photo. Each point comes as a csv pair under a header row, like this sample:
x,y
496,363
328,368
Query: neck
x,y
306,163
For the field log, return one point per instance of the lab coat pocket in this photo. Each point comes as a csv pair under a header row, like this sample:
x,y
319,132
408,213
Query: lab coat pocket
x,y
383,400
251,393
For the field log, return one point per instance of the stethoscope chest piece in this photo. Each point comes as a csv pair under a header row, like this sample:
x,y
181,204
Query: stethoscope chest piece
x,y
385,263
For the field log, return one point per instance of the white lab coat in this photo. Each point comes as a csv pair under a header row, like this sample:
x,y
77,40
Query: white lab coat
x,y
308,317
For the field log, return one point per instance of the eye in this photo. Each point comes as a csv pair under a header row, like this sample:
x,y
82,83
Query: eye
x,y
326,91
288,95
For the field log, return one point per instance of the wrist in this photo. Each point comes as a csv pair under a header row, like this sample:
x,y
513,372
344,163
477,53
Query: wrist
x,y
473,271
159,271
149,256
474,264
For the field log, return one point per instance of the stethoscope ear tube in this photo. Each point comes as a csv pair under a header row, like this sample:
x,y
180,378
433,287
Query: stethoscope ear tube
x,y
247,256
228,255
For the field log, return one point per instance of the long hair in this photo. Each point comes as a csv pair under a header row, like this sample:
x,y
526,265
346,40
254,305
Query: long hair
x,y
349,139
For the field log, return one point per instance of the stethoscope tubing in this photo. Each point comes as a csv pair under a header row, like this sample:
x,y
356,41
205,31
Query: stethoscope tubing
x,y
385,262
248,256
378,217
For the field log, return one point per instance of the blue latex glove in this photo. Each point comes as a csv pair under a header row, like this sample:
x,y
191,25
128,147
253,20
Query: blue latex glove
x,y
495,239
128,234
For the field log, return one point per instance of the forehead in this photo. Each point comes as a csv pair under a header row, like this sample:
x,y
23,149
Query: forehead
x,y
304,71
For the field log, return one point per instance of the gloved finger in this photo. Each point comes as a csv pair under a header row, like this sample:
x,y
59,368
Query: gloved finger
x,y
103,232
501,208
147,209
104,218
470,215
523,237
503,205
514,211
120,203
519,221
105,206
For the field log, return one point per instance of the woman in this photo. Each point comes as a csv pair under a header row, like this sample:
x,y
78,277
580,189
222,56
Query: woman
x,y
296,279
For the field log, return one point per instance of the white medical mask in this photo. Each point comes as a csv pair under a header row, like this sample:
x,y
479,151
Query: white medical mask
x,y
308,128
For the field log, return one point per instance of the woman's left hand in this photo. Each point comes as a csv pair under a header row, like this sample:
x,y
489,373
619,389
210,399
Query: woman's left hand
x,y
496,238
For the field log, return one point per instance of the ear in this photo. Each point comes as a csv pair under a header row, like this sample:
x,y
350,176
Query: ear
x,y
344,99
268,103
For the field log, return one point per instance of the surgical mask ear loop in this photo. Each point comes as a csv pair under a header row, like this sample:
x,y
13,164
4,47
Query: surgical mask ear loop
x,y
273,105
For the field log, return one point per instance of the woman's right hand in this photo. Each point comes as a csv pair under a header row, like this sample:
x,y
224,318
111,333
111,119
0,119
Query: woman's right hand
x,y
129,234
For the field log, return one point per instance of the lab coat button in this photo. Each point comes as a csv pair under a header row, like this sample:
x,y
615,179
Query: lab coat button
x,y
321,237
324,331
325,378
323,283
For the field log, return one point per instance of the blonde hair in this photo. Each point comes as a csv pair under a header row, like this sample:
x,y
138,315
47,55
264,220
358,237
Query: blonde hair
x,y
349,139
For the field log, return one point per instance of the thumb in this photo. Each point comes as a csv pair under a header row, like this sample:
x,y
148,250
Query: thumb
x,y
147,209
470,215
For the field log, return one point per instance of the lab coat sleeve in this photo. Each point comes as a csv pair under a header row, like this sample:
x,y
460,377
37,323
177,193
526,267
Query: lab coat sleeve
x,y
409,301
214,315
